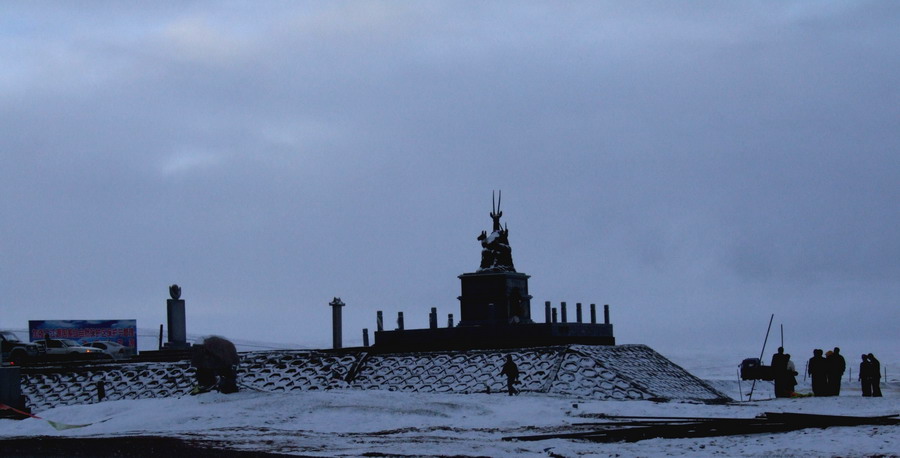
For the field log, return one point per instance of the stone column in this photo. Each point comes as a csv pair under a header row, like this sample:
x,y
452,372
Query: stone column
x,y
175,318
336,337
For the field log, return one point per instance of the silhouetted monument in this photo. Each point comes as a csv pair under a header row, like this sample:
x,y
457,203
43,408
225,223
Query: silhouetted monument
x,y
496,254
175,292
495,292
175,318
495,309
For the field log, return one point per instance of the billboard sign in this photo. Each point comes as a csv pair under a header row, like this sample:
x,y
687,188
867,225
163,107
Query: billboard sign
x,y
83,331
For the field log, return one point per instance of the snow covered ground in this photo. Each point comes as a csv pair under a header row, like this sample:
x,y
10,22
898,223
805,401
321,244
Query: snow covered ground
x,y
356,422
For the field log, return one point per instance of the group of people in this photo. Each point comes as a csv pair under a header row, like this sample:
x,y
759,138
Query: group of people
x,y
825,370
870,375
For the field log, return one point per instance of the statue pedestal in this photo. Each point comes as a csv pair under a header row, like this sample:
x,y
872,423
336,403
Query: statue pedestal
x,y
507,291
176,322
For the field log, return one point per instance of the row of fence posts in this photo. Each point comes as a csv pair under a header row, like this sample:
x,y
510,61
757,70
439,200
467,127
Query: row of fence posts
x,y
550,316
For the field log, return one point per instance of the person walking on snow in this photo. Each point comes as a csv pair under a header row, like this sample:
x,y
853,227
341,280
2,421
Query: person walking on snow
x,y
512,375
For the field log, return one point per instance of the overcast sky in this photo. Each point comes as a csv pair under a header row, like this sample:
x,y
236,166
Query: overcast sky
x,y
696,165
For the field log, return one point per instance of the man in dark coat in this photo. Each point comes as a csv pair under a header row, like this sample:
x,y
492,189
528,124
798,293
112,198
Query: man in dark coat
x,y
876,376
512,375
836,368
865,376
779,372
818,373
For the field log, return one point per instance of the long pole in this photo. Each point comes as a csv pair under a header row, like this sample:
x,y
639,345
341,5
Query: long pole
x,y
761,353
782,335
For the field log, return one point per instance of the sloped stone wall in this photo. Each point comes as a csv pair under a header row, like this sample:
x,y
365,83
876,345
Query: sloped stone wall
x,y
597,372
296,370
471,371
50,387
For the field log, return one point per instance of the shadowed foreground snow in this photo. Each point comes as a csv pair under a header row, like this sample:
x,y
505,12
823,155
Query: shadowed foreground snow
x,y
354,422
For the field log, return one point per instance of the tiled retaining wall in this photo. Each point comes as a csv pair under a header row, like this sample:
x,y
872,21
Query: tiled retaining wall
x,y
584,371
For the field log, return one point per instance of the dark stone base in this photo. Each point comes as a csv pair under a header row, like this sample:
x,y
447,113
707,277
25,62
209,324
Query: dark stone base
x,y
507,291
492,337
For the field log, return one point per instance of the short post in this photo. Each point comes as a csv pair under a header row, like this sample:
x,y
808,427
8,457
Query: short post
x,y
432,318
365,337
554,315
547,307
379,321
399,321
336,337
606,314
492,312
160,337
450,320
593,313
562,312
578,312
101,390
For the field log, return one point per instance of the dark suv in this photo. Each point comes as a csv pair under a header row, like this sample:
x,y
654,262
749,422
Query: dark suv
x,y
17,352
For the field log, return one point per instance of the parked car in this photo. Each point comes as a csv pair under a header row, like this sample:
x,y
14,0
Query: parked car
x,y
17,352
70,349
114,349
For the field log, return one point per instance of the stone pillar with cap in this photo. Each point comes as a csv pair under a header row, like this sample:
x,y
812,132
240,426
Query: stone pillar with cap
x,y
175,318
336,338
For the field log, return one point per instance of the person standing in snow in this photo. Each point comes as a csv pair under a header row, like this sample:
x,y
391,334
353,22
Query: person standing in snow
x,y
865,376
779,372
836,368
818,373
876,376
512,375
790,376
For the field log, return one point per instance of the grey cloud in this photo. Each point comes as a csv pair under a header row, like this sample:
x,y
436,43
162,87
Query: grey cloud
x,y
695,165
